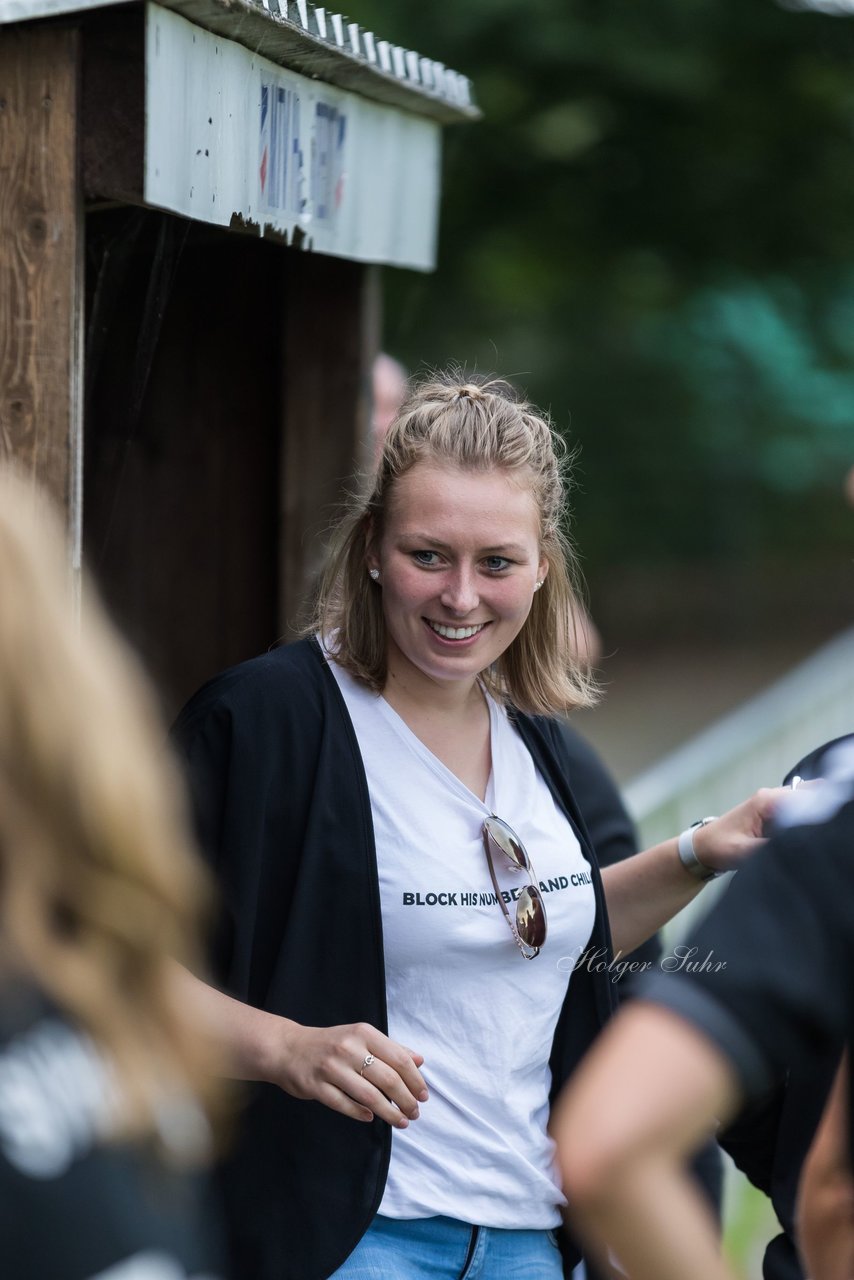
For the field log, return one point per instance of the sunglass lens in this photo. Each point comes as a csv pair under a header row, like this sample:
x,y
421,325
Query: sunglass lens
x,y
507,842
531,917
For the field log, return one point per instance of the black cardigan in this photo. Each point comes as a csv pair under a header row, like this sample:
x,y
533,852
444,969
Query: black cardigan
x,y
283,815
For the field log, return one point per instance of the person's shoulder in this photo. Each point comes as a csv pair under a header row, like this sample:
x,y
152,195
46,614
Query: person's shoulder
x,y
826,840
803,876
578,750
829,793
552,732
822,819
23,1006
287,668
290,675
38,1045
546,738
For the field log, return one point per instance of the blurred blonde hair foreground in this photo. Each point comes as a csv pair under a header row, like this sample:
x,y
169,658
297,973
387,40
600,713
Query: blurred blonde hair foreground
x,y
100,891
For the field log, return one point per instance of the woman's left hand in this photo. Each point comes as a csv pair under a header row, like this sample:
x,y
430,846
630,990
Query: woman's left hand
x,y
722,844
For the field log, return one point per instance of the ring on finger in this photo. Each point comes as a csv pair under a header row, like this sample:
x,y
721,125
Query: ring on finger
x,y
369,1058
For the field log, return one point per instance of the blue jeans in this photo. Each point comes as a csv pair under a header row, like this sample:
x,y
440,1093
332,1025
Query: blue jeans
x,y
444,1249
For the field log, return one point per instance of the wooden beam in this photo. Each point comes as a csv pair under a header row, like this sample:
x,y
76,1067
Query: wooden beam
x,y
113,107
330,338
41,242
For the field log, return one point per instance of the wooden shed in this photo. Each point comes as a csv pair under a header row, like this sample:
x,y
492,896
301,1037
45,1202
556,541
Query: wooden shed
x,y
195,199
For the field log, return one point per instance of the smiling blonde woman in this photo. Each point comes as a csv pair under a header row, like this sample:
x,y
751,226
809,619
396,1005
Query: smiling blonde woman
x,y
389,808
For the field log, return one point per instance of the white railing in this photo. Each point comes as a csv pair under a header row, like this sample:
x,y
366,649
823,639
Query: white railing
x,y
754,746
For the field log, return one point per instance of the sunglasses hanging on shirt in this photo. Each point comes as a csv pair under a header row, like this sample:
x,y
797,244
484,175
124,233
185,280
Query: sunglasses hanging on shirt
x,y
529,926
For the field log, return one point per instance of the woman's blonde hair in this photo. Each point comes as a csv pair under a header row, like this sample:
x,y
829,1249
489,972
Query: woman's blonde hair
x,y
100,890
476,424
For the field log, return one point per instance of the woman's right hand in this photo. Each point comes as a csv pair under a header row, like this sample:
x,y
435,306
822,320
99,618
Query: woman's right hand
x,y
326,1064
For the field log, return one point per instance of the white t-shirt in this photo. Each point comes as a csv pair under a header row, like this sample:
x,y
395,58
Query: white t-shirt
x,y
458,988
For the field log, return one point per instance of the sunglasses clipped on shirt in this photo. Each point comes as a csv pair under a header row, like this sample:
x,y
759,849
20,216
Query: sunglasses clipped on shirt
x,y
529,926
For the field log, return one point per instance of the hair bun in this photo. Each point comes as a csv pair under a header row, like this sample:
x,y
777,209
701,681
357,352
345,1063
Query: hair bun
x,y
469,391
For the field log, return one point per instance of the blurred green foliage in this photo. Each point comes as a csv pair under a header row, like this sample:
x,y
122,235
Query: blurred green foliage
x,y
652,229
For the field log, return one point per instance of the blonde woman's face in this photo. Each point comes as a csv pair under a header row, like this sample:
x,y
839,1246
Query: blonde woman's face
x,y
458,561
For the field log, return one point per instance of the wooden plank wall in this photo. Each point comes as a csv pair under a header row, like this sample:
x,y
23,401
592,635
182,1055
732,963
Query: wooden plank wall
x,y
41,249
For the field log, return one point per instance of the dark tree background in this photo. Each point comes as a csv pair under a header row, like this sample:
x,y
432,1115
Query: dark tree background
x,y
652,229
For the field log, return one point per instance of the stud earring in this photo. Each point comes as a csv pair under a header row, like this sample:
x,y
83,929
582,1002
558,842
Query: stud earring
x,y
374,575
537,585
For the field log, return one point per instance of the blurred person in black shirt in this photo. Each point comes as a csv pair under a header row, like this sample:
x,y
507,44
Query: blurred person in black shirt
x,y
106,1093
758,1020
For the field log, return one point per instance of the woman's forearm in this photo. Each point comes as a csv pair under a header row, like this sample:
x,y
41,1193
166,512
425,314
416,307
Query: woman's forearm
x,y
244,1034
644,892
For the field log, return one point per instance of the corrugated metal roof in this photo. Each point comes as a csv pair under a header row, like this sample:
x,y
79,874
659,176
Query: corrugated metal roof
x,y
312,40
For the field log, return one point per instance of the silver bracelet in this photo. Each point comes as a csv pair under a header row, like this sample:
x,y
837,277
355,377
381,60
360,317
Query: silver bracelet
x,y
688,857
